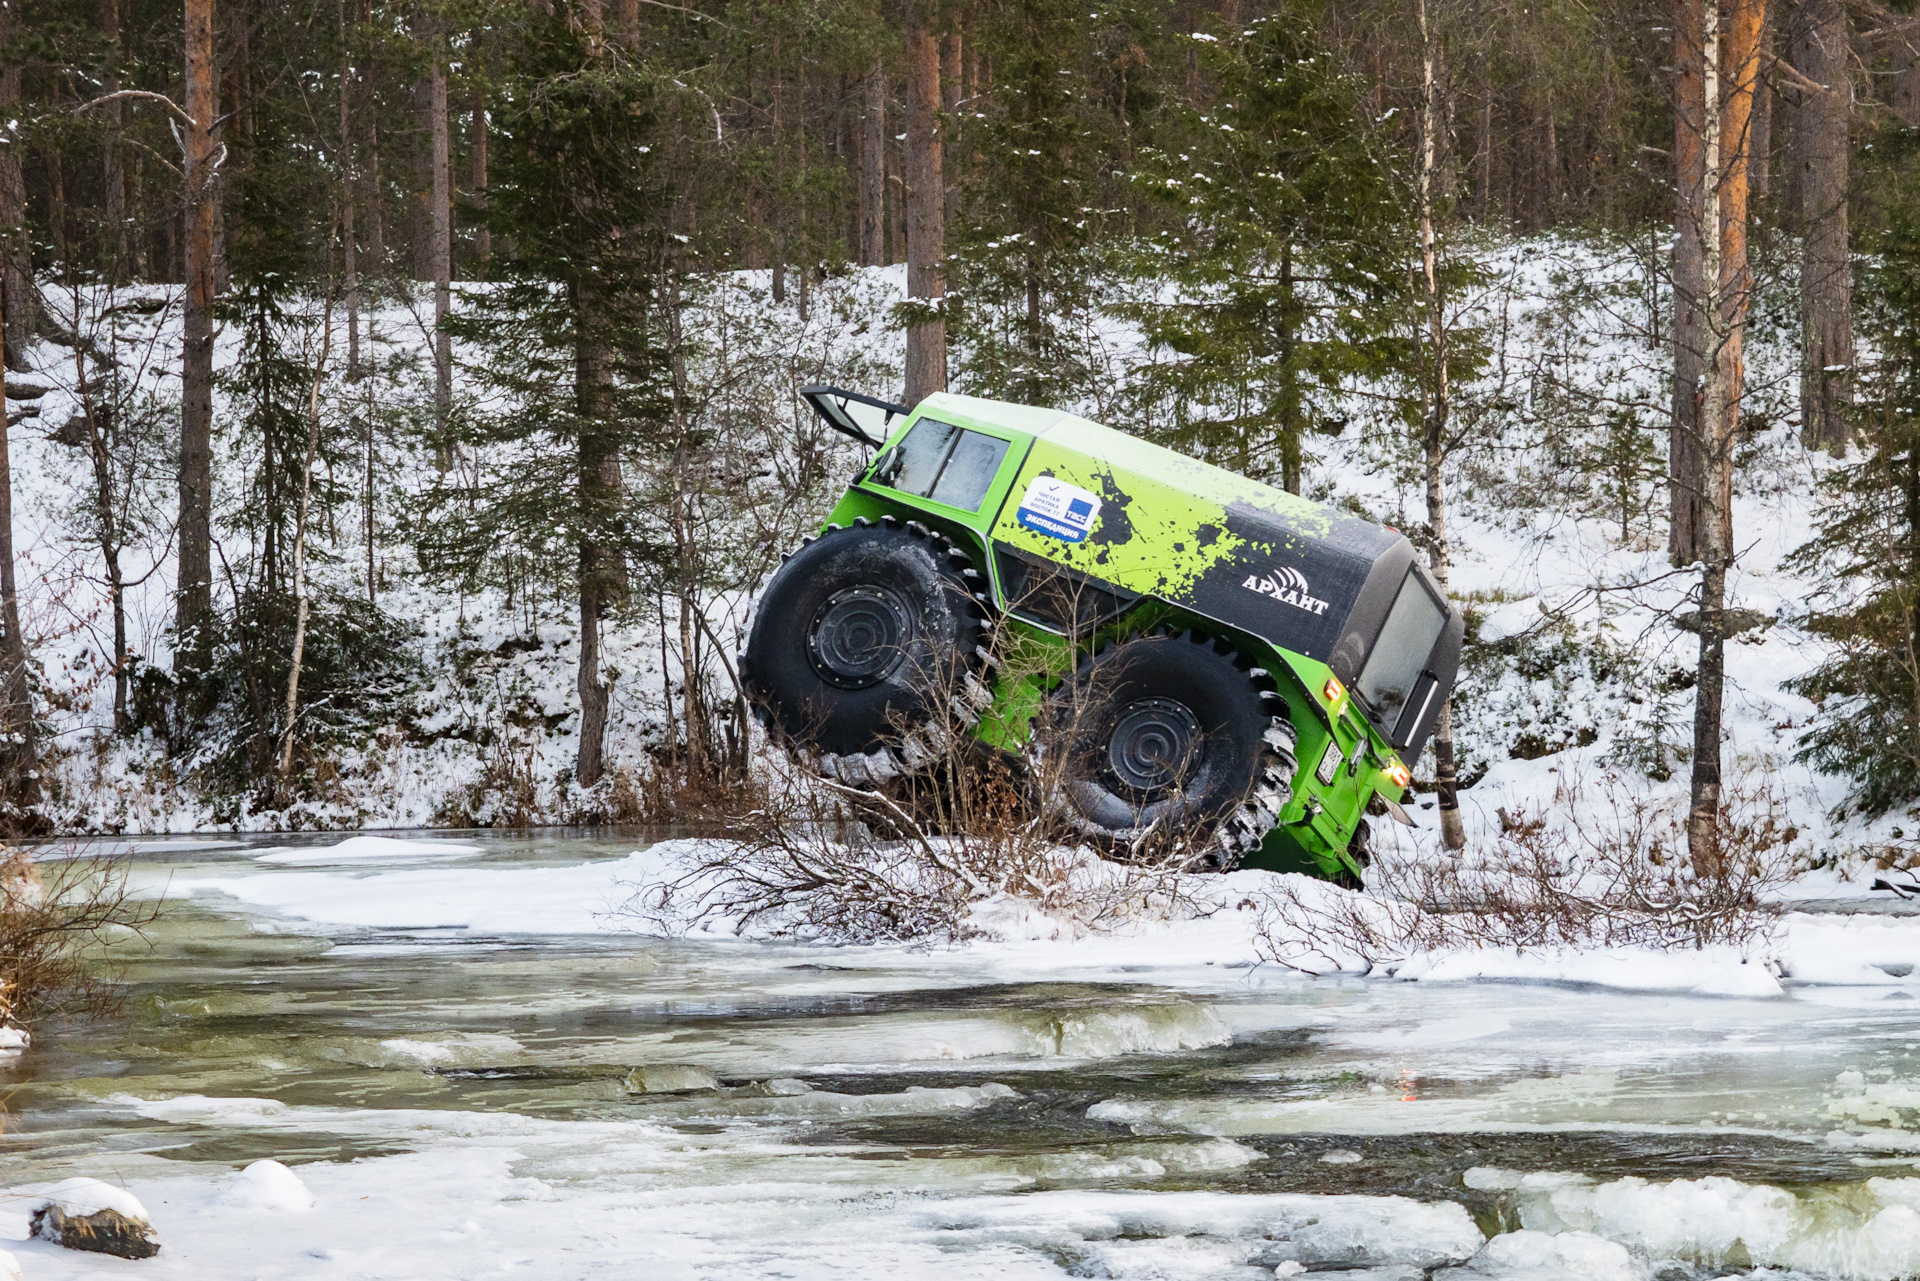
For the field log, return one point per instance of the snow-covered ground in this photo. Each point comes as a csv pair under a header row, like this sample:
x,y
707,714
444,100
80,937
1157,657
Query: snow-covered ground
x,y
1573,711
442,1044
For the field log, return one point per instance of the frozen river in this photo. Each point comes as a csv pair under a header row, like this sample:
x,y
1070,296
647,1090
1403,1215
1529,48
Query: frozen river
x,y
477,1074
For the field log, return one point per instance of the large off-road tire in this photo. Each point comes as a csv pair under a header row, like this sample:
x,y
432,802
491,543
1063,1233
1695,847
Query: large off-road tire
x,y
1180,736
866,650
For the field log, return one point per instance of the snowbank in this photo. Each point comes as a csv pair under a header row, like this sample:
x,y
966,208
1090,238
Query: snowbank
x,y
267,1187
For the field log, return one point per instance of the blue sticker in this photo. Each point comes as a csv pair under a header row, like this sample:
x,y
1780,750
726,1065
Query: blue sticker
x,y
1058,510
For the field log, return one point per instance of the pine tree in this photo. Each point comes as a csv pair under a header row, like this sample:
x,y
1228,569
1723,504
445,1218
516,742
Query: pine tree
x,y
1289,264
1039,201
1868,548
575,331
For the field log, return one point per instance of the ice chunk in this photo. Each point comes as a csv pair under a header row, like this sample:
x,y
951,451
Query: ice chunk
x,y
356,848
1528,1255
267,1185
787,1086
1193,1234
1869,1230
459,1049
670,1078
1148,1029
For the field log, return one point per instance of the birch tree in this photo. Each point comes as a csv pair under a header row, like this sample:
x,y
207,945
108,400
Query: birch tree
x,y
1721,38
1438,387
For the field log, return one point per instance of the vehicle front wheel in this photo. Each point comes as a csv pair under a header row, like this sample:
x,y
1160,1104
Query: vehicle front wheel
x,y
865,646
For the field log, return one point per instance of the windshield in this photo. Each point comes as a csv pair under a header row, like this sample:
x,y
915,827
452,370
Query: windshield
x,y
1399,655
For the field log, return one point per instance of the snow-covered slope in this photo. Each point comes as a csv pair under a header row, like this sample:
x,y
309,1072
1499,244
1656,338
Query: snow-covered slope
x,y
1559,557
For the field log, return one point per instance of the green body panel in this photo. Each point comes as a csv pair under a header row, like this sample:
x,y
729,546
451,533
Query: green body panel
x,y
1165,522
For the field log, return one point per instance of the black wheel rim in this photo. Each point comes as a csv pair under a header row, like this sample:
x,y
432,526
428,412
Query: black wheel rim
x,y
1155,743
859,636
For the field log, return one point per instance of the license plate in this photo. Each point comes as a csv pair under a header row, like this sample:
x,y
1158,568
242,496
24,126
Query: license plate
x,y
1329,763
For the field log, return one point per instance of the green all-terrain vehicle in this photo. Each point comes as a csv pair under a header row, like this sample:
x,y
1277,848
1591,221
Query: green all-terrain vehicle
x,y
1215,657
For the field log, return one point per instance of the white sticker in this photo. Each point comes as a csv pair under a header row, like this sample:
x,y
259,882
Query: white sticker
x,y
1058,510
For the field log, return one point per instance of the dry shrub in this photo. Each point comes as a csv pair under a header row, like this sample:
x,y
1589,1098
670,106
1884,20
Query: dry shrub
x,y
1619,878
825,860
874,854
56,916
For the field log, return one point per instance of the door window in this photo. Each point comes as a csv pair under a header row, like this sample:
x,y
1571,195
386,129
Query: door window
x,y
948,464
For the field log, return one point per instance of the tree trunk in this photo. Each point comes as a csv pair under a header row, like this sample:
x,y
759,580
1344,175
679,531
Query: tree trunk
x,y
482,237
1684,468
896,204
589,759
420,201
108,526
1760,145
1906,71
16,258
926,370
19,764
1727,283
1438,406
194,599
442,247
113,181
376,203
873,170
1826,293
950,64
1292,461
692,704
349,252
1483,153
302,603
599,481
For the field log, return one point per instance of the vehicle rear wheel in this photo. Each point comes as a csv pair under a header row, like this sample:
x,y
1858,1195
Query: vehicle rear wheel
x,y
866,648
1168,734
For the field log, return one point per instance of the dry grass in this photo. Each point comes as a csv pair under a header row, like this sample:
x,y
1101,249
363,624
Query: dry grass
x,y
824,860
56,916
1622,880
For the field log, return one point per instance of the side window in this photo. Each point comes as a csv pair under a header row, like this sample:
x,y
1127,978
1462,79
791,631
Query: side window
x,y
948,464
917,460
970,470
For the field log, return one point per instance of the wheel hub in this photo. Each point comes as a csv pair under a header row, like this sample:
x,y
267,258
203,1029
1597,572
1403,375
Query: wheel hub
x,y
858,636
1154,742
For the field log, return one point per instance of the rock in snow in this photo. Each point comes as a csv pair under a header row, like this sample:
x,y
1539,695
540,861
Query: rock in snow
x,y
267,1185
669,1078
86,1214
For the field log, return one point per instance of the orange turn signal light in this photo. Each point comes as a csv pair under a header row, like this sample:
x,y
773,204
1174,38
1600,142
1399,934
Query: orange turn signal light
x,y
1399,773
1333,689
